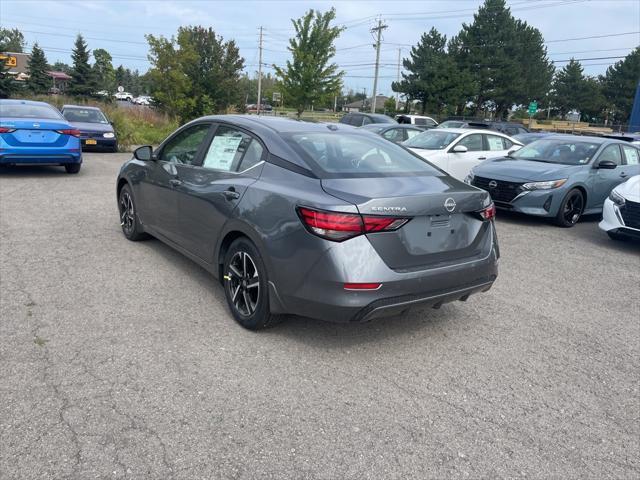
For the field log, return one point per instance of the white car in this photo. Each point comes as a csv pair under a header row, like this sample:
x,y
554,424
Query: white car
x,y
458,150
418,120
621,211
142,100
123,96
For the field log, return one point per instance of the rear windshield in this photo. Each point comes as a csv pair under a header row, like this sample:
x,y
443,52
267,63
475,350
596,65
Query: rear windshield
x,y
26,110
432,140
87,115
348,155
558,151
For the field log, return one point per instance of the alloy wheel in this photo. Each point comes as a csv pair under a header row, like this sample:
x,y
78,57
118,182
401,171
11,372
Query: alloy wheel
x,y
243,283
573,208
127,214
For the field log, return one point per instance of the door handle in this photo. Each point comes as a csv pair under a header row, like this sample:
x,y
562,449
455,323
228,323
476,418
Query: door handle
x,y
231,194
623,175
175,182
482,158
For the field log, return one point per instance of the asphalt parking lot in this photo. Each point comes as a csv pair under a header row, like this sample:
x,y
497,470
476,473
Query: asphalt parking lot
x,y
120,360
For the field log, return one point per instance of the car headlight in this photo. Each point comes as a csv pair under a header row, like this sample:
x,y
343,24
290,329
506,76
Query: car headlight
x,y
616,198
544,185
469,178
108,135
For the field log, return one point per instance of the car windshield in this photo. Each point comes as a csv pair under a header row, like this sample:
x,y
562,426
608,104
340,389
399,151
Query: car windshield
x,y
27,110
568,152
86,115
432,140
450,124
348,155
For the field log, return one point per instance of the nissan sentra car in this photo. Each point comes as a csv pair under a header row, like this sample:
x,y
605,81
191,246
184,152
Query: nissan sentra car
x,y
561,177
318,220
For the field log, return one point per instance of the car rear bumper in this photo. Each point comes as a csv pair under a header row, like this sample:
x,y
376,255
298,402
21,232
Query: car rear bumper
x,y
99,143
40,159
322,294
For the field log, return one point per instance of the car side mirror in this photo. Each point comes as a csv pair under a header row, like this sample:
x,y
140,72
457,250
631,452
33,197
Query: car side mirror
x,y
606,164
460,149
144,153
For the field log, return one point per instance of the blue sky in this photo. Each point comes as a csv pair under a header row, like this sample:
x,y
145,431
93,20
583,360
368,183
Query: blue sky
x,y
120,26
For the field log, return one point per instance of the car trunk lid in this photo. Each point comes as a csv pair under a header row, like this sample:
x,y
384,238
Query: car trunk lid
x,y
444,228
33,132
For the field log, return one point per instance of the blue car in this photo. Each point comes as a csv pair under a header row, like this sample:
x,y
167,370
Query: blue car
x,y
560,177
37,133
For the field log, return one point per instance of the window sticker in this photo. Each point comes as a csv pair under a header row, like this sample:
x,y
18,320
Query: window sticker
x,y
222,152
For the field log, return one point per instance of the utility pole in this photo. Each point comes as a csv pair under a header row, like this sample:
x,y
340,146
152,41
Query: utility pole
x,y
259,107
378,30
398,80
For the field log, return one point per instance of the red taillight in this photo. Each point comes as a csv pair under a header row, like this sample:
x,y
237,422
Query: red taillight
x,y
70,131
362,286
488,213
7,130
339,226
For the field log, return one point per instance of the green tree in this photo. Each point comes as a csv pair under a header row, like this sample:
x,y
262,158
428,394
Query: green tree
x,y
38,82
8,84
195,73
103,72
82,79
432,78
619,85
570,89
309,78
505,59
11,40
61,67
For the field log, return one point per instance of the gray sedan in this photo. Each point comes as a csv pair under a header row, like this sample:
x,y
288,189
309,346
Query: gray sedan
x,y
560,176
318,220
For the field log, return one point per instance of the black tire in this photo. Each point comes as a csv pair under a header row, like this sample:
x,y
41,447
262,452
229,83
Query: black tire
x,y
131,226
570,209
72,167
248,299
620,237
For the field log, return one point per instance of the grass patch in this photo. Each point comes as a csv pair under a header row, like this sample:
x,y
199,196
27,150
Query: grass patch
x,y
133,126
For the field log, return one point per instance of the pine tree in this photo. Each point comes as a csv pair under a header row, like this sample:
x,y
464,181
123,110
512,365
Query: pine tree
x,y
38,82
103,72
82,80
570,89
619,85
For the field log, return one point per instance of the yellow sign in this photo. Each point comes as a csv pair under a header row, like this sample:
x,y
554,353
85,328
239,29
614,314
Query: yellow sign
x,y
9,61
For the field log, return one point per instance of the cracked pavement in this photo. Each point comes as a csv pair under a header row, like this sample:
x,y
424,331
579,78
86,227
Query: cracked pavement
x,y
120,360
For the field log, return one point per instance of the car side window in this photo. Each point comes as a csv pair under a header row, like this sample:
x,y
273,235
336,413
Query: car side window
x,y
365,121
184,146
611,153
412,133
420,121
232,150
430,122
507,143
495,143
632,155
348,119
473,142
394,134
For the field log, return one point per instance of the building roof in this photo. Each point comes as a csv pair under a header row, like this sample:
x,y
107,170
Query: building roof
x,y
59,75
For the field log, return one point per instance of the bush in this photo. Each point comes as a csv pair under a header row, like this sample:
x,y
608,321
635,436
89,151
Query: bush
x,y
133,126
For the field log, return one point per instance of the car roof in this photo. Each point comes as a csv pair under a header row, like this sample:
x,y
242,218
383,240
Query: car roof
x,y
85,107
583,138
278,124
11,101
466,130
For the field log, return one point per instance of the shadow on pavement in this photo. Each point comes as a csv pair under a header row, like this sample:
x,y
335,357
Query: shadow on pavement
x,y
34,171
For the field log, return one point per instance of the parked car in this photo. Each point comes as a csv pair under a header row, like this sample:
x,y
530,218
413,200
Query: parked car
x,y
507,128
633,138
394,133
36,133
359,119
560,177
418,120
125,96
526,138
319,220
95,129
142,100
621,211
458,150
